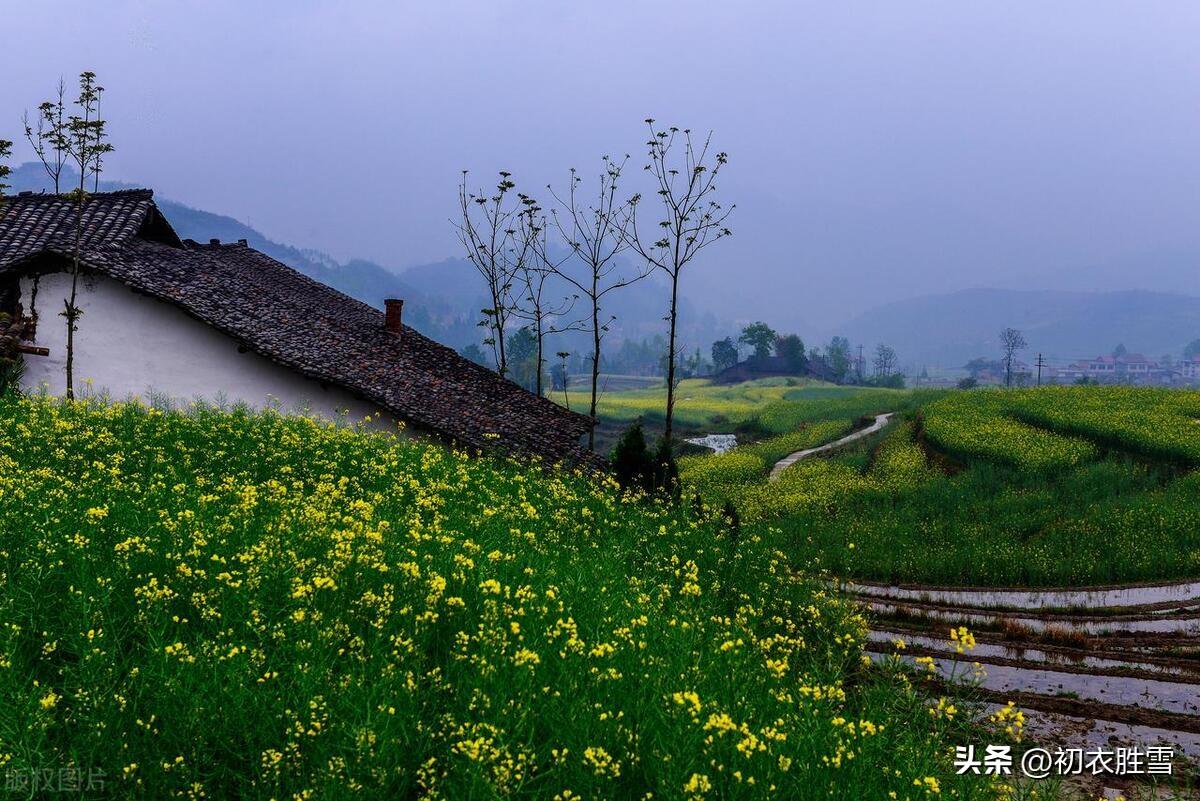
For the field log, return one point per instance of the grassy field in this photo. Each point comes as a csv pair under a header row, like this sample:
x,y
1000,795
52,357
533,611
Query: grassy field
x,y
754,409
1079,485
220,605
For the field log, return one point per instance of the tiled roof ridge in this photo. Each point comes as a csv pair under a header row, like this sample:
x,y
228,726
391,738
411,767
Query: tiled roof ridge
x,y
29,195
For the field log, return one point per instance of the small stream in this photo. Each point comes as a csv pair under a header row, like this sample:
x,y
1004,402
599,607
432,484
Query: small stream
x,y
719,443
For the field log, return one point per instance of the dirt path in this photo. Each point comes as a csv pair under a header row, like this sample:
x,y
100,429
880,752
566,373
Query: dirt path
x,y
881,420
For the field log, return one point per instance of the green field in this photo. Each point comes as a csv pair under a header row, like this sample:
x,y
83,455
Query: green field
x,y
754,409
1079,485
235,605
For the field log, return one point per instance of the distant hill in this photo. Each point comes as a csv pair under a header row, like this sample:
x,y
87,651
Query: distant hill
x,y
948,330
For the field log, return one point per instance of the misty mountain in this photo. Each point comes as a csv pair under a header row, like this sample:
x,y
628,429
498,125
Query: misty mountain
x,y
1169,271
947,330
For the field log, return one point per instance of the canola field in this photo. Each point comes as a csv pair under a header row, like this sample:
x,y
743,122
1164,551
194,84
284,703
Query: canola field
x,y
1154,423
234,605
976,426
1071,486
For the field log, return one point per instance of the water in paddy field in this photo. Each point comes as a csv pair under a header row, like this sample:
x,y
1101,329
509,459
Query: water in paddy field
x,y
720,443
1034,598
1166,696
1107,625
1092,666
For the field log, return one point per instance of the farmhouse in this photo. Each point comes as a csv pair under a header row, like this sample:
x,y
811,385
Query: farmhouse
x,y
1128,368
754,368
164,317
1190,369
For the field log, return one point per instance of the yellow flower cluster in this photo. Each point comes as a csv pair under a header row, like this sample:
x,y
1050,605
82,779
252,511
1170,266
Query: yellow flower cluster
x,y
963,639
1009,719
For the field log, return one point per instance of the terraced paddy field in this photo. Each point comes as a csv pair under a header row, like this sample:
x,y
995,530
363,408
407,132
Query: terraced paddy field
x,y
1118,667
1061,525
1062,486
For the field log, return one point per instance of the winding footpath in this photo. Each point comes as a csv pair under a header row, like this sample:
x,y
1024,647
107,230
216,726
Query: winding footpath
x,y
881,420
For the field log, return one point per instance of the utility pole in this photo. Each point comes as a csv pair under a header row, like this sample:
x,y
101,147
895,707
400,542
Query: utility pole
x,y
1040,364
860,364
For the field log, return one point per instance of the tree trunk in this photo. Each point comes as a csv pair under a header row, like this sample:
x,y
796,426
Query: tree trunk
x,y
595,366
498,333
566,395
541,338
71,309
671,359
71,313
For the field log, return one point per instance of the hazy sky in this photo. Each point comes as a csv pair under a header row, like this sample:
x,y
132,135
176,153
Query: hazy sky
x,y
878,150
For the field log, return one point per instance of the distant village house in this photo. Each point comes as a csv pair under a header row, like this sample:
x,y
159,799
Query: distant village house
x,y
1125,368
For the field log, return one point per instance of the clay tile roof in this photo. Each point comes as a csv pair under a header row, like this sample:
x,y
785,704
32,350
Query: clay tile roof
x,y
31,223
298,322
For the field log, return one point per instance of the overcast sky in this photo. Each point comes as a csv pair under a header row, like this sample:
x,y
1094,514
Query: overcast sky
x,y
877,150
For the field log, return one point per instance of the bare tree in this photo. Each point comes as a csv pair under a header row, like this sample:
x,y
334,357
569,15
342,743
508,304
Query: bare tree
x,y
86,146
1011,341
685,184
5,171
488,230
596,234
49,138
543,314
885,361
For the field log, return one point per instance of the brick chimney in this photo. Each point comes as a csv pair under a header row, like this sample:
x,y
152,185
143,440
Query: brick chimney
x,y
393,315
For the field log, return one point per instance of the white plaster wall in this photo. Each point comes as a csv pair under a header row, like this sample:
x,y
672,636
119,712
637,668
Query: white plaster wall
x,y
134,345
